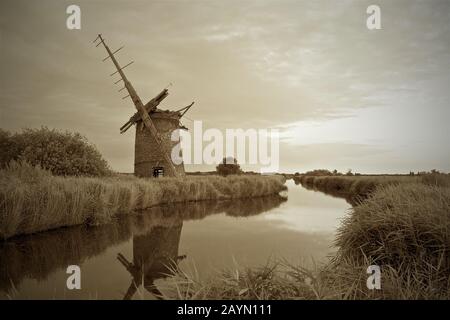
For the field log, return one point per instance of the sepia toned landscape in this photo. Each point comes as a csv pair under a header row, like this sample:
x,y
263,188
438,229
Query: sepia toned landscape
x,y
241,150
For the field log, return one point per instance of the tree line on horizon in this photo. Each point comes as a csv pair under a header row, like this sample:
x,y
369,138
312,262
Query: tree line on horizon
x,y
325,172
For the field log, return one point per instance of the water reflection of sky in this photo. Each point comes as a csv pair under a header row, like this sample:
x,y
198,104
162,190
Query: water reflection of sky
x,y
308,211
299,230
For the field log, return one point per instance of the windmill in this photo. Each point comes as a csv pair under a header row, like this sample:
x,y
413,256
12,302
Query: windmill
x,y
154,127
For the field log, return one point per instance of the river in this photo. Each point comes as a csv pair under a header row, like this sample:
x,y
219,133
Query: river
x,y
200,238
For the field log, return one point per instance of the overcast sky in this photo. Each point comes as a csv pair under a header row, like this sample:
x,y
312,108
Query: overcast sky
x,y
341,95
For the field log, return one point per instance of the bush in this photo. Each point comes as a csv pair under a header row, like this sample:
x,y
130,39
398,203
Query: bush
x,y
319,172
228,166
9,149
62,153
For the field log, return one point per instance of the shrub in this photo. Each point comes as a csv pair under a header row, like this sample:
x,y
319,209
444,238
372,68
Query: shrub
x,y
9,148
228,166
62,153
319,172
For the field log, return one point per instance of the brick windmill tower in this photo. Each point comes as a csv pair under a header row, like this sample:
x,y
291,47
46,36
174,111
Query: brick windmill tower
x,y
154,127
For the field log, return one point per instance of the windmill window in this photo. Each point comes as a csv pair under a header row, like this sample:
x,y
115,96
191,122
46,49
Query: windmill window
x,y
158,172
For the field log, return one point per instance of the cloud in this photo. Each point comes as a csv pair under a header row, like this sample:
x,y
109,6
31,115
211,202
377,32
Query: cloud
x,y
252,64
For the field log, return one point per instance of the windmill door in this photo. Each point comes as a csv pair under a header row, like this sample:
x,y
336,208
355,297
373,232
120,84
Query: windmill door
x,y
158,172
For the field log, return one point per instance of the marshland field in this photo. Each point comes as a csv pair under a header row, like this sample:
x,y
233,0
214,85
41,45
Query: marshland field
x,y
213,237
222,235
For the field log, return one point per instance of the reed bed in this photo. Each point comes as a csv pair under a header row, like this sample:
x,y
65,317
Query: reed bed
x,y
406,230
33,200
357,188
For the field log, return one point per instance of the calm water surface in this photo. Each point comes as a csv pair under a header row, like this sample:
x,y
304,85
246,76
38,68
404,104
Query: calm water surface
x,y
200,237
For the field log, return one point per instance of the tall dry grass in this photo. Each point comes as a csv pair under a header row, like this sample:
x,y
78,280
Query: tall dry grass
x,y
403,227
357,188
33,200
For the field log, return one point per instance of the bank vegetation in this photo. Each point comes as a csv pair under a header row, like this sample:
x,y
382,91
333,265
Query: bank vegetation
x,y
33,199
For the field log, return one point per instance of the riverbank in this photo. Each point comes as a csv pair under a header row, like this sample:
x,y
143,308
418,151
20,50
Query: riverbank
x,y
33,200
403,226
358,188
